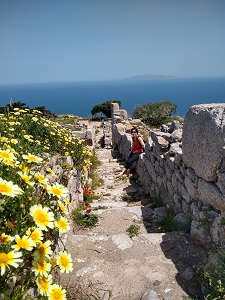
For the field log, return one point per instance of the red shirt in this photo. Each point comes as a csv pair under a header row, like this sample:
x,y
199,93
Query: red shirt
x,y
136,146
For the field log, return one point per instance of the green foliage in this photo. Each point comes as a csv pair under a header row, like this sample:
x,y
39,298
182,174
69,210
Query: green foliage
x,y
168,224
100,207
214,279
156,202
12,105
154,113
27,141
133,230
83,216
104,108
96,181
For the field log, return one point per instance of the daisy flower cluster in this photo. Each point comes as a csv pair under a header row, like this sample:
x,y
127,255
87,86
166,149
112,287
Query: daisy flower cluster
x,y
33,210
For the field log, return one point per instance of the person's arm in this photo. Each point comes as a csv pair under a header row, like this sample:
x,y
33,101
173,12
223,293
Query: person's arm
x,y
141,142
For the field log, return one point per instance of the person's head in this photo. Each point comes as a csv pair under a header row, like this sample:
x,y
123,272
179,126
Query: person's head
x,y
134,130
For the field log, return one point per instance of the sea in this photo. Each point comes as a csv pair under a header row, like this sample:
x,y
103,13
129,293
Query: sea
x,y
79,97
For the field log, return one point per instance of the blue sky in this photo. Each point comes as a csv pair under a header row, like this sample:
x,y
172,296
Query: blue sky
x,y
73,40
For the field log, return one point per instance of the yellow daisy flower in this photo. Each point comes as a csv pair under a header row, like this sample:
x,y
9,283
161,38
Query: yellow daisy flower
x,y
42,216
9,259
7,155
43,249
41,267
44,284
65,262
40,178
9,189
56,292
62,224
58,190
50,171
67,201
27,137
5,239
37,142
35,119
90,153
32,158
35,234
25,169
62,207
14,141
26,178
23,243
4,140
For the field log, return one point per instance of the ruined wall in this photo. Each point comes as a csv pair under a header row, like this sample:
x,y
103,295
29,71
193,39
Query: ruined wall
x,y
185,167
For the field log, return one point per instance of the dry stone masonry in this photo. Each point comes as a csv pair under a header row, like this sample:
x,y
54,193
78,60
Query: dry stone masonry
x,y
184,166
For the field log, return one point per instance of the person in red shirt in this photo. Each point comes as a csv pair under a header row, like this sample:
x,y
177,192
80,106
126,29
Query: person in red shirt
x,y
138,147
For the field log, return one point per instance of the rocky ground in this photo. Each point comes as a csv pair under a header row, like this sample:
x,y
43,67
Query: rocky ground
x,y
111,264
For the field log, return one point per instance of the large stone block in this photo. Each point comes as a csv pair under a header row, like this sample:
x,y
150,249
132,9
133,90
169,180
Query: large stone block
x,y
204,139
210,194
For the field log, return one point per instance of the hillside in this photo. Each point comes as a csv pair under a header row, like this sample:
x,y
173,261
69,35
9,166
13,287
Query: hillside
x,y
150,77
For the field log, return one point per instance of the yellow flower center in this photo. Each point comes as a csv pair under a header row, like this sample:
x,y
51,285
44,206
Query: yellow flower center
x,y
5,155
56,191
64,261
23,244
5,188
41,250
3,258
62,223
44,285
34,235
40,216
33,159
4,239
41,265
57,295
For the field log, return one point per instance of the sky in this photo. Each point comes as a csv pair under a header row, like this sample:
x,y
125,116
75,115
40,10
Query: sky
x,y
79,40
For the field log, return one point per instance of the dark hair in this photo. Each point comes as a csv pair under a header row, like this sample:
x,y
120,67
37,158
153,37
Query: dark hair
x,y
134,128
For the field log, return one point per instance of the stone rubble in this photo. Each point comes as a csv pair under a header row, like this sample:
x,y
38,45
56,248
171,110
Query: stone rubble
x,y
184,166
149,266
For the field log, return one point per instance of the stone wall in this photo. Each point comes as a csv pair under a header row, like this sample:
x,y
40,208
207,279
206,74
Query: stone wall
x,y
185,167
84,131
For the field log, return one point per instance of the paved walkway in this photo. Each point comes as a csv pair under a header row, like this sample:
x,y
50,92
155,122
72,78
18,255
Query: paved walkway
x,y
107,259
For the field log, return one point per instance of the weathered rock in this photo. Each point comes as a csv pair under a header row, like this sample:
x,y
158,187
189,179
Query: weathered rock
x,y
209,193
159,140
175,148
177,135
150,295
203,139
174,126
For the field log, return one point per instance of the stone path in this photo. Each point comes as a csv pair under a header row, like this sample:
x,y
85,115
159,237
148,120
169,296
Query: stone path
x,y
106,258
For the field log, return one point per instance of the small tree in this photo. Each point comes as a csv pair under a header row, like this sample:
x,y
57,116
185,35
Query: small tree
x,y
104,108
154,113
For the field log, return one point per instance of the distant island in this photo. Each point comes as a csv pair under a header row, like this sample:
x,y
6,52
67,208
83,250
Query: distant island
x,y
150,77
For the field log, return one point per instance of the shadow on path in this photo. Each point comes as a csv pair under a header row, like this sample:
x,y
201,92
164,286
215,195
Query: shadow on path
x,y
176,245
